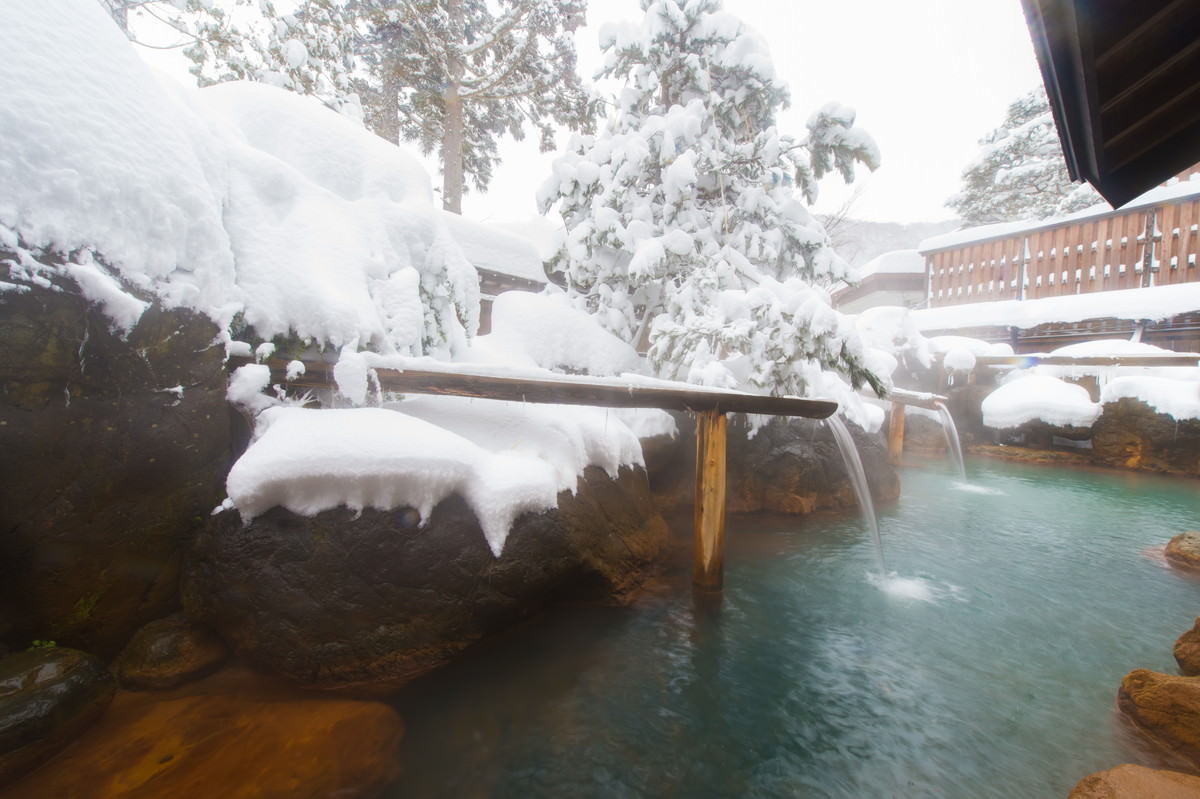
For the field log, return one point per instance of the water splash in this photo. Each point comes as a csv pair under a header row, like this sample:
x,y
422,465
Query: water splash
x,y
953,445
920,589
972,488
858,480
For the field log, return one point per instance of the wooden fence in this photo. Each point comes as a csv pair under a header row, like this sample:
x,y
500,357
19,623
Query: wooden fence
x,y
1152,245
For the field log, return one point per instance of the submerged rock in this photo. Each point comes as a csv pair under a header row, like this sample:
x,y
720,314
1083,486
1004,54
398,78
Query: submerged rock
x,y
113,448
1164,707
168,652
1128,781
1187,651
789,466
1183,551
231,736
368,601
47,698
1132,435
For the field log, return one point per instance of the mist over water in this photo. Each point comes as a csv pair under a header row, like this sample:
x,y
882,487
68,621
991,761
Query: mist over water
x,y
984,664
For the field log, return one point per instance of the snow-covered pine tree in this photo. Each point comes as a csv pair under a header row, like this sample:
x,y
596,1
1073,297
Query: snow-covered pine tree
x,y
685,217
1020,172
308,50
456,75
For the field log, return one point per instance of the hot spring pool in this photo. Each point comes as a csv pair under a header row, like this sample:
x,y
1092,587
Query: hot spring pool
x,y
987,667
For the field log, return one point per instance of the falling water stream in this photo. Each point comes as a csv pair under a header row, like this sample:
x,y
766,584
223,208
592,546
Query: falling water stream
x,y
1039,590
858,479
953,445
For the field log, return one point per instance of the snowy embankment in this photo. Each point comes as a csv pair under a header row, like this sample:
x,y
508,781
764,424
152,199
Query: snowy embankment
x,y
1045,393
275,216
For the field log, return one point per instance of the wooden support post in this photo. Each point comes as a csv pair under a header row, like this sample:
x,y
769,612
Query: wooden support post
x,y
896,434
708,558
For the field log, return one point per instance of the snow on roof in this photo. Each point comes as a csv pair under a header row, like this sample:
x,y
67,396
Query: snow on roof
x,y
1154,303
488,247
1174,190
894,262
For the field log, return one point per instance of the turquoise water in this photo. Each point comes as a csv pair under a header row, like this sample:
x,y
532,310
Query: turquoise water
x,y
987,667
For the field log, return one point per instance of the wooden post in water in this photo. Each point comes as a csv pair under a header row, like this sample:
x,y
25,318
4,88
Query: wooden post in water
x,y
708,558
896,433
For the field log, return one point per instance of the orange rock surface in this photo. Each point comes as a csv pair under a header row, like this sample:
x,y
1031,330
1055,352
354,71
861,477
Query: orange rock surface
x,y
232,736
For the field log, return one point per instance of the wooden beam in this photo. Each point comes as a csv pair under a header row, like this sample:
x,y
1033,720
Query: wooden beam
x,y
709,405
563,390
1086,360
896,434
708,553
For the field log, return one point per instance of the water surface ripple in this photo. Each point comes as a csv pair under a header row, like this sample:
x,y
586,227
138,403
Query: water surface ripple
x,y
985,666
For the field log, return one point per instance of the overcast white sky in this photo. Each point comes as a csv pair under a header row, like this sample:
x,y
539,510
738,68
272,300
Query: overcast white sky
x,y
928,78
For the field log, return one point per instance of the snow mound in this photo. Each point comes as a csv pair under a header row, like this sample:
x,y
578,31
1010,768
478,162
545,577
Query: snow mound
x,y
503,458
1179,399
894,262
556,335
1030,397
236,199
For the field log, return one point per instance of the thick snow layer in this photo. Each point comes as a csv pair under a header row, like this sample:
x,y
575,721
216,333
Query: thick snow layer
x,y
240,198
959,359
975,346
489,247
1179,399
1117,347
1156,303
556,335
1159,194
1030,397
503,458
894,262
96,153
891,328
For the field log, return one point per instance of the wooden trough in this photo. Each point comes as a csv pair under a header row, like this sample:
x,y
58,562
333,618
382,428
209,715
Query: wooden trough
x,y
709,405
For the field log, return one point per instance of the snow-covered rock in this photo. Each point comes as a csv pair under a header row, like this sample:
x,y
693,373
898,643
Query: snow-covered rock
x,y
1039,398
369,600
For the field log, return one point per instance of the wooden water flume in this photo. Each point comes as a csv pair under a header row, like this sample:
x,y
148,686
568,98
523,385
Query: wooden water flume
x,y
709,405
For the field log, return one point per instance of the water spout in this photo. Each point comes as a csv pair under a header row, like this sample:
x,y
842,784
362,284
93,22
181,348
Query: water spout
x,y
953,445
858,480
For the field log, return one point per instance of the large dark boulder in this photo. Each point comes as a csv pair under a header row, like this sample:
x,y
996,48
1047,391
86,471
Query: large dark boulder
x,y
47,698
1132,435
168,652
788,466
366,602
114,449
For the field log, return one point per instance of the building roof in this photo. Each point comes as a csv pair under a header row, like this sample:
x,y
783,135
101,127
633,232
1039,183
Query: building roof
x,y
1123,78
488,247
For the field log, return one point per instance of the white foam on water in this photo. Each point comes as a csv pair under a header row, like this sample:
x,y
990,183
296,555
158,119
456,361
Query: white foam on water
x,y
971,488
916,588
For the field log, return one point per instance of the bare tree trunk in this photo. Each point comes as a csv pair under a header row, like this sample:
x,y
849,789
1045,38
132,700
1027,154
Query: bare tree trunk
x,y
452,152
453,130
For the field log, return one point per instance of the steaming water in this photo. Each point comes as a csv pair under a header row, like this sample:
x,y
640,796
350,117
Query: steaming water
x,y
985,665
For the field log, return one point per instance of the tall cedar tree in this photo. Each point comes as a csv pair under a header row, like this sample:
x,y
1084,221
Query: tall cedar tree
x,y
456,75
685,217
1019,172
452,75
